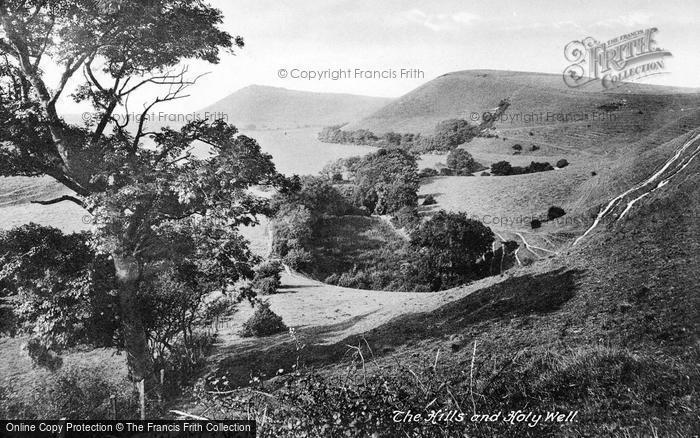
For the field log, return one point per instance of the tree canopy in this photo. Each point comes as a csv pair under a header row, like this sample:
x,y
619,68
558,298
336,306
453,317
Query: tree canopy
x,y
143,187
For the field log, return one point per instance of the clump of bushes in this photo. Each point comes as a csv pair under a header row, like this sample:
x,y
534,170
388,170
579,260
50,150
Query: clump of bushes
x,y
297,259
562,163
429,200
73,392
535,224
407,217
427,172
264,322
504,168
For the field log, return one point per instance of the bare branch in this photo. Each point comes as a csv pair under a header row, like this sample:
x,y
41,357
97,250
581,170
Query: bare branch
x,y
61,199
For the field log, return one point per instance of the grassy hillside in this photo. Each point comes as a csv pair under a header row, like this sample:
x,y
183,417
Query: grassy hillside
x,y
273,107
458,94
607,328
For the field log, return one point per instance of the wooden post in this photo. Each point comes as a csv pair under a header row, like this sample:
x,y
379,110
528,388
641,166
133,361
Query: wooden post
x,y
162,379
142,398
113,407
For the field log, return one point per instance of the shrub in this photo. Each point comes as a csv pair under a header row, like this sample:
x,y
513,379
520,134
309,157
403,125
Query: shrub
x,y
185,359
266,286
555,212
447,248
485,174
562,163
501,168
535,223
538,167
297,258
446,171
517,147
73,392
594,173
428,172
264,322
407,217
534,148
268,269
429,200
462,162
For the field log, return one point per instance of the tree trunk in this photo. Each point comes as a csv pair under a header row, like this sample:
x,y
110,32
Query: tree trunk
x,y
139,360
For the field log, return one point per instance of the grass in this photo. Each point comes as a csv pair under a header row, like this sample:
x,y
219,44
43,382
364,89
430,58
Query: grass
x,y
350,244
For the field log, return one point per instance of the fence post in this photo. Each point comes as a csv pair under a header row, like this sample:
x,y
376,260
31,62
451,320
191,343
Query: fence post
x,y
113,406
162,379
142,397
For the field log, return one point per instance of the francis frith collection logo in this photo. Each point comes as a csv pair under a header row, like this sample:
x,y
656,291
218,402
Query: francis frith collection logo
x,y
625,58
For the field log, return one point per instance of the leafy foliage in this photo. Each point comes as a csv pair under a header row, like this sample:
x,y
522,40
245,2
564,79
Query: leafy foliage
x,y
447,248
462,162
264,322
386,181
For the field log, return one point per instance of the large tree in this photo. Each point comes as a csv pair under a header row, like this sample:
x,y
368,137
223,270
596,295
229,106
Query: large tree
x,y
137,184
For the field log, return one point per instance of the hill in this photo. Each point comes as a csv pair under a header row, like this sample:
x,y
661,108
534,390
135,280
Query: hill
x,y
274,107
459,94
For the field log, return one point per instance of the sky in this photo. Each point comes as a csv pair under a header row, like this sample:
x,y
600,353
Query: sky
x,y
433,37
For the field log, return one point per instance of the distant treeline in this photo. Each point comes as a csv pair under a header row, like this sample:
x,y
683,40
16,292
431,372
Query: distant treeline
x,y
448,135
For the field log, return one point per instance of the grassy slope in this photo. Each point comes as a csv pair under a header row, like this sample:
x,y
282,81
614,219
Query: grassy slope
x,y
342,244
607,328
458,94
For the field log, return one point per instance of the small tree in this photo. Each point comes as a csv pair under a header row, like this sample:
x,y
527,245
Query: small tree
x,y
386,181
447,248
462,162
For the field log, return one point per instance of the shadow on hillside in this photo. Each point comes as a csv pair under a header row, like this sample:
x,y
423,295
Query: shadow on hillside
x,y
514,297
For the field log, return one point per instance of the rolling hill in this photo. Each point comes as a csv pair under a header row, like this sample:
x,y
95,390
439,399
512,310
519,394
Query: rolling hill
x,y
459,94
274,107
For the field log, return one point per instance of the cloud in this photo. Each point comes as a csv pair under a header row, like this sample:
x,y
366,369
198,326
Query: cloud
x,y
439,22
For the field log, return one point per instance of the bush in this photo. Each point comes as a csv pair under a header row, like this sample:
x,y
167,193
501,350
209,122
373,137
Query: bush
x,y
535,224
446,249
74,392
517,147
297,258
501,168
264,322
462,162
186,359
562,163
446,171
266,286
429,200
534,148
555,212
428,172
485,174
407,217
270,268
